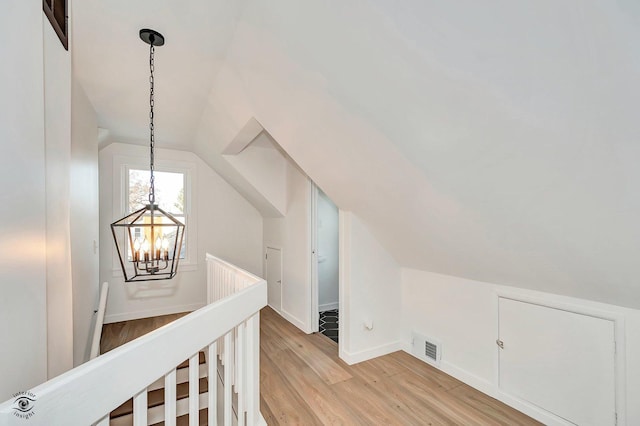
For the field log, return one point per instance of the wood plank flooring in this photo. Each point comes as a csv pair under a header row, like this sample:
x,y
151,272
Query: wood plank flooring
x,y
118,333
303,382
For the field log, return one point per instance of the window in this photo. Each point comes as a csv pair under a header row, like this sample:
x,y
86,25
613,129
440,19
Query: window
x,y
174,181
56,11
169,188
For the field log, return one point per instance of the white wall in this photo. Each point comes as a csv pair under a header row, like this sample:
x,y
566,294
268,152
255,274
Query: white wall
x,y
23,328
327,254
84,221
463,315
263,165
369,294
469,128
57,100
292,235
227,227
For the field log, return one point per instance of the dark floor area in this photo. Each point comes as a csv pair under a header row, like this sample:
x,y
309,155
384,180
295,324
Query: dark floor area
x,y
329,324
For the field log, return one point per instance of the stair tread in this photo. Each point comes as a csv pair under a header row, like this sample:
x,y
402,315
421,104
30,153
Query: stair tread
x,y
156,397
184,420
185,364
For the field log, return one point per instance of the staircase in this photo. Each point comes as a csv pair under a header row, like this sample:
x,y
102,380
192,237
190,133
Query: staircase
x,y
147,381
123,415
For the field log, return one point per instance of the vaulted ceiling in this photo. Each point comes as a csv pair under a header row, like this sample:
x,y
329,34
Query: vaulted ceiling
x,y
112,63
491,140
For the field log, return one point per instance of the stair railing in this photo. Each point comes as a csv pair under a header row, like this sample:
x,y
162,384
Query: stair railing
x,y
87,394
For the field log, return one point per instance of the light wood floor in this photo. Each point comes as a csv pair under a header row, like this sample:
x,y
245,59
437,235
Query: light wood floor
x,y
303,382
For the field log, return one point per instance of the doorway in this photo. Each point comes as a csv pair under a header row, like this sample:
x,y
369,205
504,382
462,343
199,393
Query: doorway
x,y
274,277
325,261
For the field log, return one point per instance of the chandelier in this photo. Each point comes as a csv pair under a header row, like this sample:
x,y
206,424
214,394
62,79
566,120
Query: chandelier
x,y
149,240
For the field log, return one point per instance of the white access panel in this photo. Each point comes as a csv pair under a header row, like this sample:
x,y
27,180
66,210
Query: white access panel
x,y
561,361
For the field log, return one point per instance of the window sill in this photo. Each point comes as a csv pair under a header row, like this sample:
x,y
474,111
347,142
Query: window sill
x,y
183,267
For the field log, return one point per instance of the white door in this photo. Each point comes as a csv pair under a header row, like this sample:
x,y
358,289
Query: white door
x,y
274,278
561,361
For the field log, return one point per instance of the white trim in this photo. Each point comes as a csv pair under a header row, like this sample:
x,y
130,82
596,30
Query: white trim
x,y
261,420
97,330
489,389
328,306
314,320
367,354
187,267
292,319
344,281
266,270
165,310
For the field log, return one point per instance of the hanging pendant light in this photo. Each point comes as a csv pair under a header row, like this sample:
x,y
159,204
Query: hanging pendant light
x,y
153,237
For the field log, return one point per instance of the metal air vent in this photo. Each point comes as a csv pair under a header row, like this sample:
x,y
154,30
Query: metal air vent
x,y
426,348
431,350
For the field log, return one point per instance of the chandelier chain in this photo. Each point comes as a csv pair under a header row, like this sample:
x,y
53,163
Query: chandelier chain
x,y
152,192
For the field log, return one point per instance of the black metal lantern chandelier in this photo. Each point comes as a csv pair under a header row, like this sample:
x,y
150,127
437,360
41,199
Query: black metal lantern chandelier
x,y
149,240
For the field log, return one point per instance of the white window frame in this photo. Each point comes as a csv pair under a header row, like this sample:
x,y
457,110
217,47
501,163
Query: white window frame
x,y
121,167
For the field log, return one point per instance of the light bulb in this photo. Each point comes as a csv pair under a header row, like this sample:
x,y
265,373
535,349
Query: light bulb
x,y
136,244
165,243
158,243
145,246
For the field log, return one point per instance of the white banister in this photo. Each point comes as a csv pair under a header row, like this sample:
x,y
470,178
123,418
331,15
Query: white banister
x,y
105,382
103,422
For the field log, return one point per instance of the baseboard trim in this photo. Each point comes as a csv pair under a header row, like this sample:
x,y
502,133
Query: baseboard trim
x,y
261,420
493,391
328,307
293,320
367,354
165,310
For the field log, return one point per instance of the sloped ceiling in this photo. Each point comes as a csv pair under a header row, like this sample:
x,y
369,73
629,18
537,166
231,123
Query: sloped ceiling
x,y
112,63
491,140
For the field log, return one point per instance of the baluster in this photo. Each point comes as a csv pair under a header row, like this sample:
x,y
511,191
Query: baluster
x,y
212,376
252,381
140,407
232,351
209,285
170,398
194,389
236,361
216,283
240,367
227,380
